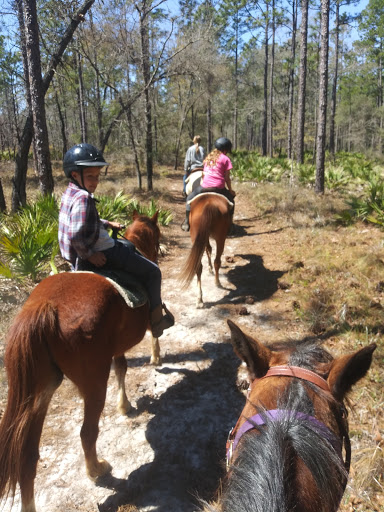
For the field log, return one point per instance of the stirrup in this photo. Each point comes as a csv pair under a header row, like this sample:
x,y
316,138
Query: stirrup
x,y
185,226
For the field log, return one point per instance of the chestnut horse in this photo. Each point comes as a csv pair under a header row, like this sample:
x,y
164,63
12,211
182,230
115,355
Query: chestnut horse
x,y
72,324
290,449
210,217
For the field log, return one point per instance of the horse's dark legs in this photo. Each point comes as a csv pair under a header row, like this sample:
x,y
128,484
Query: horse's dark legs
x,y
94,400
123,404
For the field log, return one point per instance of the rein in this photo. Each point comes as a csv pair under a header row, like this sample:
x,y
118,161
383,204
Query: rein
x,y
277,414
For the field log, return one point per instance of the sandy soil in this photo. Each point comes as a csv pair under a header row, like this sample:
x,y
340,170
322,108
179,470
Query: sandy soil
x,y
170,450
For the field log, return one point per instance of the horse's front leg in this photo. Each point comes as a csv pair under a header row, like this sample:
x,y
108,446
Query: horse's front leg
x,y
199,303
155,356
123,404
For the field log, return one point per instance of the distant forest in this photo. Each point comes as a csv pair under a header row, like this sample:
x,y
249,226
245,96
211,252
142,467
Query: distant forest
x,y
141,78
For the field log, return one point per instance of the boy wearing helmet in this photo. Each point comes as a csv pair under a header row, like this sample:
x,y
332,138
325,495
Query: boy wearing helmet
x,y
216,175
84,239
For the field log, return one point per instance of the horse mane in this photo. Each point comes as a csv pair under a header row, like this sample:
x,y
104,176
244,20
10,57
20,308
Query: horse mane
x,y
266,464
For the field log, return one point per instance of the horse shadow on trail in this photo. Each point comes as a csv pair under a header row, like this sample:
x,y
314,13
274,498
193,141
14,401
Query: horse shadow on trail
x,y
187,435
250,280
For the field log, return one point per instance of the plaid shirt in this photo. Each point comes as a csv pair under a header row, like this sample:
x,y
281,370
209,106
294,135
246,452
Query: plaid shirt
x,y
79,224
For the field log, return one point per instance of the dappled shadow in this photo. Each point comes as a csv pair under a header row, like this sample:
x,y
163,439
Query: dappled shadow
x,y
188,435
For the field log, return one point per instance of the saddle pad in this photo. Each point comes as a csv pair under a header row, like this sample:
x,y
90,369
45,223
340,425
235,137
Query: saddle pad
x,y
212,194
132,291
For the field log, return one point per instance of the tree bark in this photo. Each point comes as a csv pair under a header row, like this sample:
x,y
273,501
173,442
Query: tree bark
x,y
145,69
323,89
291,79
270,110
43,158
3,206
21,160
302,82
265,109
332,146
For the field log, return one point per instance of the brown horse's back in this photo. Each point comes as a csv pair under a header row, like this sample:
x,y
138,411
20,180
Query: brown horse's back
x,y
92,317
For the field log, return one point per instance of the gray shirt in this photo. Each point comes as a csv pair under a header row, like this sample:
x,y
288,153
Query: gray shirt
x,y
193,158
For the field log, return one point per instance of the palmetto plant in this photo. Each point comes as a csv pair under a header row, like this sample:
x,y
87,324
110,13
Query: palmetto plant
x,y
121,207
28,240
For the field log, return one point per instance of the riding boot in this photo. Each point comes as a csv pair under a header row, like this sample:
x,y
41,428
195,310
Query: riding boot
x,y
185,224
160,322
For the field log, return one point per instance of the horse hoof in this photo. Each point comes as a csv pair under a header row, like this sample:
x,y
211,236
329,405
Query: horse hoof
x,y
123,410
156,361
100,469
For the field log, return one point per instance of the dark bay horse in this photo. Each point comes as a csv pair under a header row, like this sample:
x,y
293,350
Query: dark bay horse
x,y
72,324
210,217
290,449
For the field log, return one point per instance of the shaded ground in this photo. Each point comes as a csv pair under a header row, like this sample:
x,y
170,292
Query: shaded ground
x,y
172,447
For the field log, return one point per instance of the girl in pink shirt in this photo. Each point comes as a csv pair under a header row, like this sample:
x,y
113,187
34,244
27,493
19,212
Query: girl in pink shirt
x,y
216,175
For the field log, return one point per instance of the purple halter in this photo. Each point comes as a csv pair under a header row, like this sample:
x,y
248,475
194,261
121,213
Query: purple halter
x,y
278,414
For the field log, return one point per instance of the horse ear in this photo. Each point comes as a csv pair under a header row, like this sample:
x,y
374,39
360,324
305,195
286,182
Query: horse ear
x,y
252,352
347,370
154,218
135,214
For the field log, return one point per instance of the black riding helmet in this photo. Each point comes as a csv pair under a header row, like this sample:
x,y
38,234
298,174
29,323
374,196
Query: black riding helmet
x,y
81,156
223,144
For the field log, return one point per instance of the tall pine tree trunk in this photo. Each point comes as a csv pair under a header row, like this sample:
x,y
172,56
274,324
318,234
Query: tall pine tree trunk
x,y
332,146
291,78
270,110
43,158
302,82
145,69
323,89
265,107
21,160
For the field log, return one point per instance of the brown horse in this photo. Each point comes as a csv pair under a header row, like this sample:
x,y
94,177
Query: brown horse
x,y
72,324
290,449
210,217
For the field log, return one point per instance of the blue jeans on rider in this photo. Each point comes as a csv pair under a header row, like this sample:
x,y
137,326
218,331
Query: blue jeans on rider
x,y
200,190
184,178
123,256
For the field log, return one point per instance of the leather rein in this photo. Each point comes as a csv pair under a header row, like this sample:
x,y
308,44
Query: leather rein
x,y
275,414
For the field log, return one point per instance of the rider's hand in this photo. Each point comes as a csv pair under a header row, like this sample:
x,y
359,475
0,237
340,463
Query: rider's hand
x,y
98,259
233,192
115,225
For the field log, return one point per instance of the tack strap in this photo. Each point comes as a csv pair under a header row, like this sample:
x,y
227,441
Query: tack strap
x,y
299,373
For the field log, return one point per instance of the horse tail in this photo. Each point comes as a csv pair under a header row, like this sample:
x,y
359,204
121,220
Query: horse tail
x,y
209,215
26,358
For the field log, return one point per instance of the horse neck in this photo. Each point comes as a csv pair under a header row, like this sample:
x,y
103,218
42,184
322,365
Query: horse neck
x,y
144,239
284,467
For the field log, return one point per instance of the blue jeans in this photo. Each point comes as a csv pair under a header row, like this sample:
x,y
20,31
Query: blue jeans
x,y
123,256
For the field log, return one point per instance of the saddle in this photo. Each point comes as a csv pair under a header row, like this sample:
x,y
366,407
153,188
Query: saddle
x,y
129,287
212,194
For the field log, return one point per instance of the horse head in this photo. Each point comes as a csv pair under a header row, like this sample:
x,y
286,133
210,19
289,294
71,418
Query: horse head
x,y
290,448
144,233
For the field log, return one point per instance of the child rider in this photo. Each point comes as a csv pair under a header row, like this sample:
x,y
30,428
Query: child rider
x,y
84,239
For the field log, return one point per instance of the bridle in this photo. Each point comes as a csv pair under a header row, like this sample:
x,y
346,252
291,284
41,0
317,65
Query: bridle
x,y
275,414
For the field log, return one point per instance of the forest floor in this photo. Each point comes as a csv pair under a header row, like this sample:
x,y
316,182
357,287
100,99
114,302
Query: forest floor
x,y
169,452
